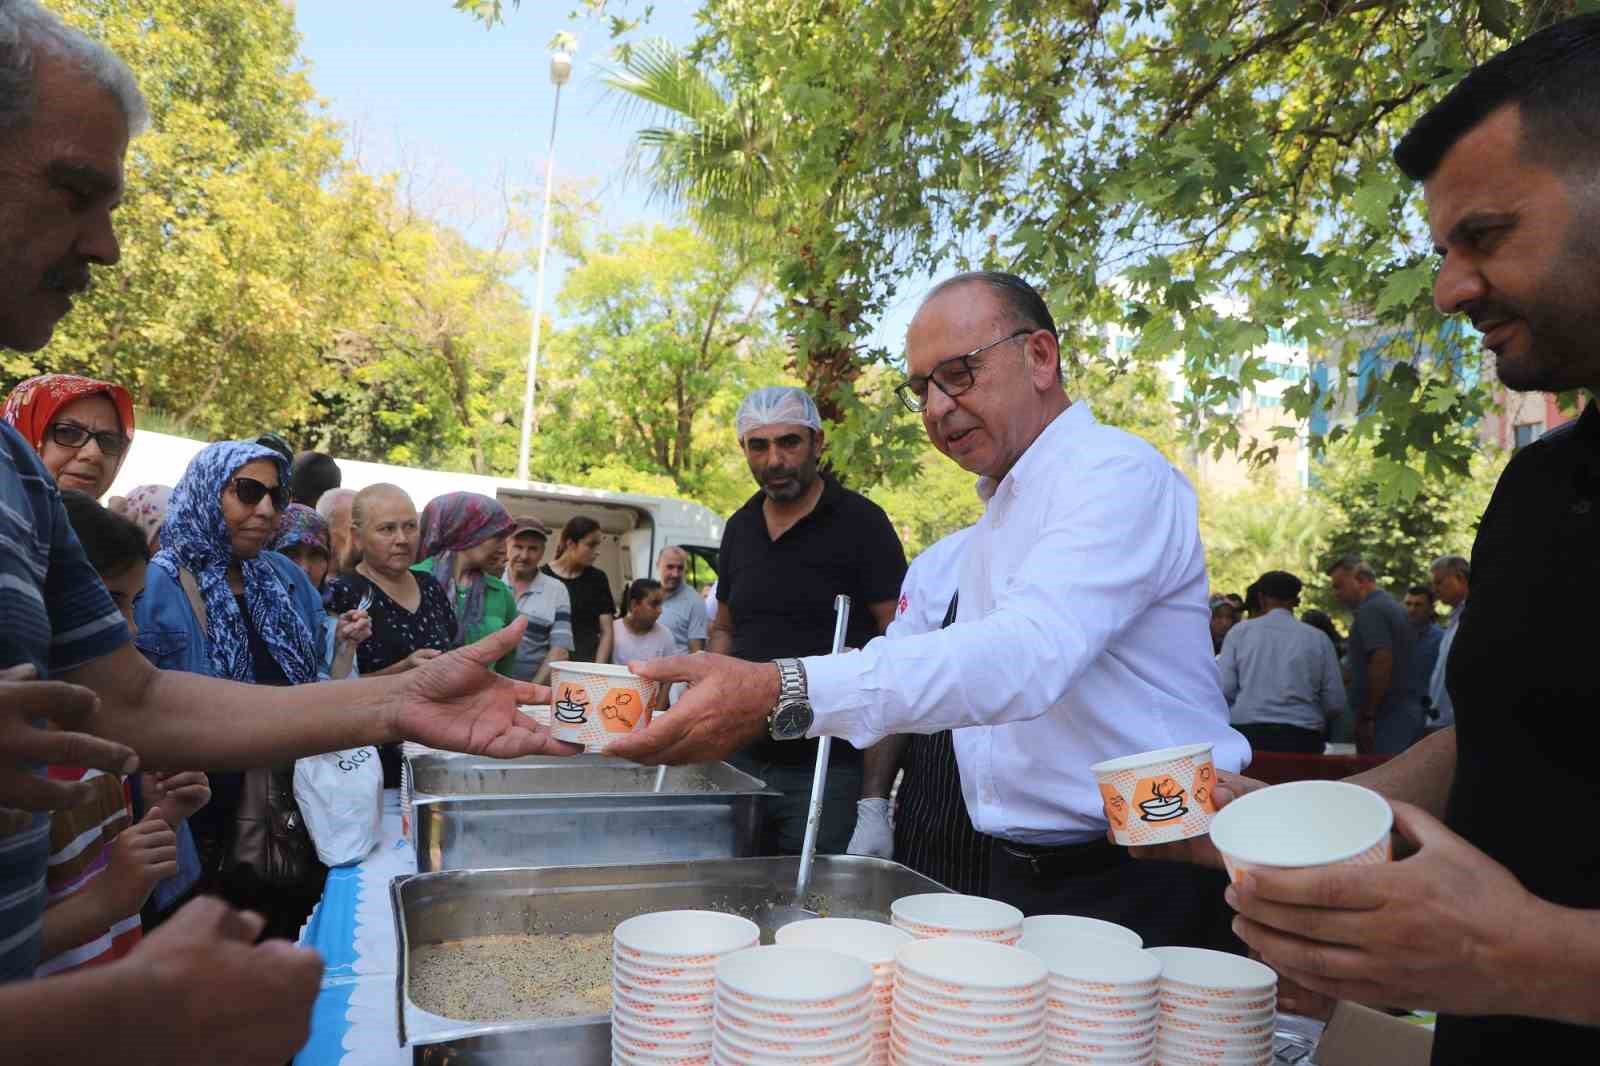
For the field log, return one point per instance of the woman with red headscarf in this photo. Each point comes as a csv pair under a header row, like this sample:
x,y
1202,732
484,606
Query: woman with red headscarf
x,y
80,427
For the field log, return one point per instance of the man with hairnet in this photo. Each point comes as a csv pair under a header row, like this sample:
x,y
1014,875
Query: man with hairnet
x,y
796,544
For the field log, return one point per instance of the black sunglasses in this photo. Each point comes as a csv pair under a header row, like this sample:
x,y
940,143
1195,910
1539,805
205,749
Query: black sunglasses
x,y
249,492
953,376
72,435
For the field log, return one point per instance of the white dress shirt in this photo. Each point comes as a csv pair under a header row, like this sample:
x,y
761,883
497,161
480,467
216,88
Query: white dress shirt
x,y
1438,692
1276,670
1083,634
929,584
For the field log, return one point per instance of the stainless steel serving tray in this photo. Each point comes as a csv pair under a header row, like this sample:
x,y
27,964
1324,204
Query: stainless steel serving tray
x,y
470,813
435,908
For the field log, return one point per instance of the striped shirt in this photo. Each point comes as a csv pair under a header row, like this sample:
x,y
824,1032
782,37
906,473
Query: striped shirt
x,y
80,842
55,614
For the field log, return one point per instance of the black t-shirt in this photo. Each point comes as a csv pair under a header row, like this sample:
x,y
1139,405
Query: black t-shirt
x,y
396,632
590,594
1523,679
781,592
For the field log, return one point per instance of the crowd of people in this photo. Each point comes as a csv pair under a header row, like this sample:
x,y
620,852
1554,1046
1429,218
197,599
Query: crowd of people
x,y
1295,685
163,657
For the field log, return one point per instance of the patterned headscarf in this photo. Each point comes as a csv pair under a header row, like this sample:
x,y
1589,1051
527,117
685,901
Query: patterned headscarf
x,y
454,523
146,507
302,526
34,404
196,537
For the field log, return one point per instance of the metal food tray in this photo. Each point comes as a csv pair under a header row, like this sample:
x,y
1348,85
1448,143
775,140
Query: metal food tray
x,y
471,813
439,907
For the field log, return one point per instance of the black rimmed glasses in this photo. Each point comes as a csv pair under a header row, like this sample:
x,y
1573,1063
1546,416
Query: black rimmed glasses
x,y
72,435
249,492
953,376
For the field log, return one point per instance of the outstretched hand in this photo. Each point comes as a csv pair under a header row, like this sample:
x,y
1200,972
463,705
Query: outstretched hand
x,y
458,703
725,708
24,743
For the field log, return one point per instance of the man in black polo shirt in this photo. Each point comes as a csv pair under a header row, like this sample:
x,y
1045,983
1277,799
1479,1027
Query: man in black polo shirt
x,y
1495,921
795,545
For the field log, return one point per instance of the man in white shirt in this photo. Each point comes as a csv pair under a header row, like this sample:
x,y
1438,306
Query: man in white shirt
x,y
1452,575
1082,632
1279,675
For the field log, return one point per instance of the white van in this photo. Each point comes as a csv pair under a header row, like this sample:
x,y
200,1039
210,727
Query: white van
x,y
634,528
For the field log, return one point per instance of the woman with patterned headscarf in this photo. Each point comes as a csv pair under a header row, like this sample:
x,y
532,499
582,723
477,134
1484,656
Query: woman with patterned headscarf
x,y
304,539
80,427
146,507
217,602
461,534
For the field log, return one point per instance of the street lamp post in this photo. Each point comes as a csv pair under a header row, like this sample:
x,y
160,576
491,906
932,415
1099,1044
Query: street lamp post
x,y
560,71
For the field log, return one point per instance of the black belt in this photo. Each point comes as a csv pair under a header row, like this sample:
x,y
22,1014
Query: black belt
x,y
1091,856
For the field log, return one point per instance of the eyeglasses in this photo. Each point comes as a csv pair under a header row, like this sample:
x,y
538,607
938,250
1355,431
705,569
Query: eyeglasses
x,y
249,492
953,376
72,435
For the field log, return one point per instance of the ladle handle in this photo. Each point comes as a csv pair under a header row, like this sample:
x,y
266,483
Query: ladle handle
x,y
819,777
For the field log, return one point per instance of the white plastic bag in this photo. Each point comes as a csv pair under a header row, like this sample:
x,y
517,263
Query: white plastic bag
x,y
340,795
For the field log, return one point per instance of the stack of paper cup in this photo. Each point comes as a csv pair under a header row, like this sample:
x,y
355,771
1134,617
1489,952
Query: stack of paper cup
x,y
932,915
1076,925
1304,823
1102,1003
785,1004
1216,1009
967,1001
662,983
874,944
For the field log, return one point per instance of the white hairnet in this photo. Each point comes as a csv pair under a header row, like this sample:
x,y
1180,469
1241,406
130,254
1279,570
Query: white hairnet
x,y
777,404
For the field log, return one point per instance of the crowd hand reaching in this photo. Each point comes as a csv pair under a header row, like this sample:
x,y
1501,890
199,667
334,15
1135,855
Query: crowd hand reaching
x,y
181,794
141,857
874,833
25,744
456,702
354,627
1429,931
217,995
1199,851
725,708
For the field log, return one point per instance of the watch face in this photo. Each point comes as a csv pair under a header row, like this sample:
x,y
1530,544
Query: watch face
x,y
791,721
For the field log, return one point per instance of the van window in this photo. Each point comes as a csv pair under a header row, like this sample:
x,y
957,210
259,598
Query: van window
x,y
702,569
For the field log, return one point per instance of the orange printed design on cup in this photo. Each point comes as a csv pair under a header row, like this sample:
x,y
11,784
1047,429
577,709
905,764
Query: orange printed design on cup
x,y
572,703
1160,799
621,709
1205,780
1116,807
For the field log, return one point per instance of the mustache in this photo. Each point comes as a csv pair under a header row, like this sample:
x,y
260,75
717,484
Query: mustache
x,y
1491,311
71,277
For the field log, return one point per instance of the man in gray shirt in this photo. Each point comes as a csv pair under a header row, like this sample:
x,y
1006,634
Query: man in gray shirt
x,y
1382,641
682,612
1280,676
542,600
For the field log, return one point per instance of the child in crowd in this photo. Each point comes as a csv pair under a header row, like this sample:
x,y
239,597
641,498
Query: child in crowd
x,y
639,636
104,864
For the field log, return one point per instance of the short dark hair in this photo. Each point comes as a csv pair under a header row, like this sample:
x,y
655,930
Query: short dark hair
x,y
1453,564
1280,585
1021,300
1357,566
1551,77
112,543
312,474
277,444
638,589
1420,590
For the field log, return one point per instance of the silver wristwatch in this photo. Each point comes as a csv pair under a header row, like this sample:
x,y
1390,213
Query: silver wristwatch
x,y
791,718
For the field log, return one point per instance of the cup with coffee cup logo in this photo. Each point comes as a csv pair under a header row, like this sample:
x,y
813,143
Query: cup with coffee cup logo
x,y
1158,796
594,703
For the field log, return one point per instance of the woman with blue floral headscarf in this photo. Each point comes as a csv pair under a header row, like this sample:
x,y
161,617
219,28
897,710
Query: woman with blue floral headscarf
x,y
217,603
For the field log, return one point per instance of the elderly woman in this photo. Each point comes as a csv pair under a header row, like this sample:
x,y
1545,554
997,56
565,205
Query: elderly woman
x,y
303,539
217,602
80,427
412,619
461,536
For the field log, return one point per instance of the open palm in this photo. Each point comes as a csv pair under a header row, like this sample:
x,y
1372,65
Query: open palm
x,y
457,703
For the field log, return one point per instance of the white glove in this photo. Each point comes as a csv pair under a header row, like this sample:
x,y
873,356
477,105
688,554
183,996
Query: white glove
x,y
874,835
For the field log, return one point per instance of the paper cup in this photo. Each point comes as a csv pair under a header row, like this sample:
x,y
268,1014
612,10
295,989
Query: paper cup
x,y
1198,972
594,703
1094,966
1304,823
871,942
779,975
1158,796
1077,925
685,938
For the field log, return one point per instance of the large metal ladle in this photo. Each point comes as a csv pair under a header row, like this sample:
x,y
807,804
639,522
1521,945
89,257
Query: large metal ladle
x,y
772,916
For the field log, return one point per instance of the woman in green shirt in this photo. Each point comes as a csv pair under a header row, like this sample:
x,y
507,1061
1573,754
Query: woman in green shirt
x,y
461,534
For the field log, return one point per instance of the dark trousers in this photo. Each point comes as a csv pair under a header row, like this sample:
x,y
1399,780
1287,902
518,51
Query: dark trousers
x,y
1271,736
1164,902
933,834
784,831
